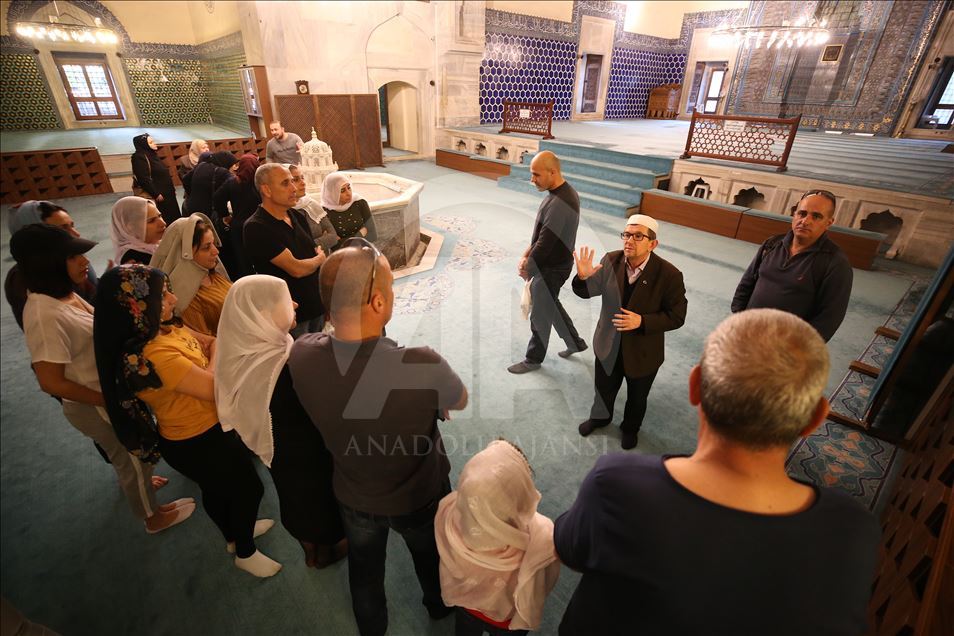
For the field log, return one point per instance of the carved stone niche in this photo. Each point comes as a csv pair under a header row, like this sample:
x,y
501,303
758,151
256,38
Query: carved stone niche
x,y
524,154
698,188
886,223
503,153
750,198
480,149
461,145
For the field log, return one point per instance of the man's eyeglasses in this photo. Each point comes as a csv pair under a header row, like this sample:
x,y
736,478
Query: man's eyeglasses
x,y
637,236
364,244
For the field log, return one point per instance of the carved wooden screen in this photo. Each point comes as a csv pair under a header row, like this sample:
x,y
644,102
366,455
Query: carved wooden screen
x,y
762,140
912,591
533,118
350,124
336,128
297,113
367,120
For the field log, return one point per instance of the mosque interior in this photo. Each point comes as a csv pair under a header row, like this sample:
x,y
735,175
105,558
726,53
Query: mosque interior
x,y
716,115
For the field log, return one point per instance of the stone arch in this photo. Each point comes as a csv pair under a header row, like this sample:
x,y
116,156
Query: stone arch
x,y
698,188
886,223
503,153
749,198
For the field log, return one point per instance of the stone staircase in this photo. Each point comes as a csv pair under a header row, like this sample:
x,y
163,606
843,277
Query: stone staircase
x,y
607,181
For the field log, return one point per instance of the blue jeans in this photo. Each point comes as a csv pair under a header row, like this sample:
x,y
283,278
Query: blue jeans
x,y
367,553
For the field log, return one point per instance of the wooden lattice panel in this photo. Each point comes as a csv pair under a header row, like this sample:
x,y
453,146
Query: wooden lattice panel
x,y
367,123
297,114
913,585
52,174
761,140
336,124
532,118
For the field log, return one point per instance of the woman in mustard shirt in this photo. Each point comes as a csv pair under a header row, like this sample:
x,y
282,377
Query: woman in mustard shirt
x,y
151,365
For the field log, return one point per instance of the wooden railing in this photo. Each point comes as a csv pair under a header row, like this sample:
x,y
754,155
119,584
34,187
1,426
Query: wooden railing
x,y
532,118
762,140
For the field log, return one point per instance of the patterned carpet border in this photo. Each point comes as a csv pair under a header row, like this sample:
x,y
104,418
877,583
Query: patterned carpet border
x,y
844,458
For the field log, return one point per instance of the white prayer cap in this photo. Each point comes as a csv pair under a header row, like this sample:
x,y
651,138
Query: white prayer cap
x,y
646,221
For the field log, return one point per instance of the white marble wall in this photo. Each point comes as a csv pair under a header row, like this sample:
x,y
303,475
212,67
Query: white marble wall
x,y
356,47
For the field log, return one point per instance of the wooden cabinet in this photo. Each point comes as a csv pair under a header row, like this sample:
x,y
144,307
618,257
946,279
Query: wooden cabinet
x,y
258,101
350,124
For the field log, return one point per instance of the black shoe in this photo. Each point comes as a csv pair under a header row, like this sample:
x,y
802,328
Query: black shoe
x,y
629,440
437,613
566,353
523,367
591,425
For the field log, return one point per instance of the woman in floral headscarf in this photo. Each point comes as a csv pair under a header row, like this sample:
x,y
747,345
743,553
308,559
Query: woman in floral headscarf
x,y
149,365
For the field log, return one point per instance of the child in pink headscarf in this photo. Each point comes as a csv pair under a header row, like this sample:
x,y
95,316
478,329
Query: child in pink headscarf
x,y
498,562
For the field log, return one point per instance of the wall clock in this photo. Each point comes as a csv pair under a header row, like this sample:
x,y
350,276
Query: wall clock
x,y
302,87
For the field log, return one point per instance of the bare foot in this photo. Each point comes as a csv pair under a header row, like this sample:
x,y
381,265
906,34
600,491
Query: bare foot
x,y
178,503
159,481
163,520
259,565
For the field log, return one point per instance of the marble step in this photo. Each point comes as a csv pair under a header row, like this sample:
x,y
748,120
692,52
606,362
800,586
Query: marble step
x,y
588,201
593,185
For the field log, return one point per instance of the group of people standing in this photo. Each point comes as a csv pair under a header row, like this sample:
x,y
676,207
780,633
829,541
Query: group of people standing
x,y
174,360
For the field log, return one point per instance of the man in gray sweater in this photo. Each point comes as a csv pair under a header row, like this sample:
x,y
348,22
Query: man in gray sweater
x,y
548,261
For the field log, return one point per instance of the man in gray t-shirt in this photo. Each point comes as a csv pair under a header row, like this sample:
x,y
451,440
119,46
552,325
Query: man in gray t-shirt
x,y
283,147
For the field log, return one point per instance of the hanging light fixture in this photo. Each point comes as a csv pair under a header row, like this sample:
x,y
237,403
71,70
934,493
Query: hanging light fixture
x,y
55,31
798,35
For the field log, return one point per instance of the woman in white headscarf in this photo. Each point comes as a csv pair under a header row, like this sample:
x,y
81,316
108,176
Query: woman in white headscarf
x,y
322,231
498,562
254,395
136,229
189,253
350,214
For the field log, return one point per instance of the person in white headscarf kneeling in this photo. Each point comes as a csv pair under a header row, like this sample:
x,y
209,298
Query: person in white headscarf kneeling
x,y
255,396
189,253
498,562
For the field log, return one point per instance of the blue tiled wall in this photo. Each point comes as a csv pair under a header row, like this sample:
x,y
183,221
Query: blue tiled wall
x,y
526,69
634,74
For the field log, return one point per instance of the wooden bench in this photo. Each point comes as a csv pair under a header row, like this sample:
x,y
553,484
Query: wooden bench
x,y
718,218
486,167
860,246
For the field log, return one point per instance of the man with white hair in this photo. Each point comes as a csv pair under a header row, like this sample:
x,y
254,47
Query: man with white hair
x,y
724,541
643,297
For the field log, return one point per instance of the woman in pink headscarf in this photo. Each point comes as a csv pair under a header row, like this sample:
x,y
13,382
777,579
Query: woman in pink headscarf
x,y
498,562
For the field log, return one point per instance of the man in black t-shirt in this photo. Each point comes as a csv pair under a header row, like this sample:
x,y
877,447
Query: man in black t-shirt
x,y
279,243
377,405
547,262
724,541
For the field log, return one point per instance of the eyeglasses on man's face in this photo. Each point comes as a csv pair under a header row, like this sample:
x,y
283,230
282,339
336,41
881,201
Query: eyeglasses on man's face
x,y
365,245
636,236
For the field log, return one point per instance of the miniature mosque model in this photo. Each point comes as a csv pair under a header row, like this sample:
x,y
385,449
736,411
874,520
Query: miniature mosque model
x,y
316,163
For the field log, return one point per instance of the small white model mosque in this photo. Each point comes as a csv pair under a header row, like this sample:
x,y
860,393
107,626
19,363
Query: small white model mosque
x,y
316,163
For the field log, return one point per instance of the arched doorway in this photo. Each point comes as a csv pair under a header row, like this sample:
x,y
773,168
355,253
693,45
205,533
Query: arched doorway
x,y
400,125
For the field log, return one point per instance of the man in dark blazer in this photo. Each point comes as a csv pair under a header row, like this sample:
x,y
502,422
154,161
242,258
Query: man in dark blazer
x,y
643,297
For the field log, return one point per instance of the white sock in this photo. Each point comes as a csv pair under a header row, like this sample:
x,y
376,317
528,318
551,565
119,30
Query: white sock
x,y
259,565
261,527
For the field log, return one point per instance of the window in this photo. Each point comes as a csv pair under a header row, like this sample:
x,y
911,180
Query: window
x,y
939,110
715,88
89,86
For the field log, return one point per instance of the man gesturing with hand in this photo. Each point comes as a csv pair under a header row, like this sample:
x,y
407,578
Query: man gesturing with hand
x,y
643,296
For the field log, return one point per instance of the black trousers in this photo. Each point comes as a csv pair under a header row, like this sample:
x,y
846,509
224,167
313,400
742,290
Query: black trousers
x,y
548,312
231,490
607,387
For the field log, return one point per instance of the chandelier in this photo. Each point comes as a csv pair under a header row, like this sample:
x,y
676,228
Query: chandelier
x,y
801,33
57,31
66,33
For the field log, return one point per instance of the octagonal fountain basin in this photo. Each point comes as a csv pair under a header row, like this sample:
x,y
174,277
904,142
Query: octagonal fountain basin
x,y
396,212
